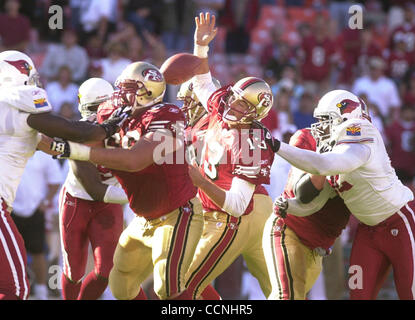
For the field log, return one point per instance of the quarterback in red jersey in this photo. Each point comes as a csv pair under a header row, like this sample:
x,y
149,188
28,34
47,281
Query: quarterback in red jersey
x,y
147,158
294,245
234,164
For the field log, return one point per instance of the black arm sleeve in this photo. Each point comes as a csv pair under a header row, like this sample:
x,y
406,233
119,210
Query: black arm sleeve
x,y
305,191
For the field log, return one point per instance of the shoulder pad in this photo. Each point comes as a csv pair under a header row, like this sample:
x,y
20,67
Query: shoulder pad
x,y
354,131
28,99
303,139
105,110
165,111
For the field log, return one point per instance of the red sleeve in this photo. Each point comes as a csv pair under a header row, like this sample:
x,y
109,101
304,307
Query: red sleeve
x,y
304,140
215,102
104,111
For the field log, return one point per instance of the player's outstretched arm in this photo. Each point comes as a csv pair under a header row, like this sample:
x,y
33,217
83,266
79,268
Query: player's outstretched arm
x,y
150,148
55,126
205,32
345,158
78,131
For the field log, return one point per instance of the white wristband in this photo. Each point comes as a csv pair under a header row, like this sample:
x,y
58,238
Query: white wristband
x,y
115,195
201,51
79,151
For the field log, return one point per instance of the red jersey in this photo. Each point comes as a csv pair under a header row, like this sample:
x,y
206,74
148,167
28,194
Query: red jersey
x,y
323,227
159,188
402,153
229,153
317,58
404,32
398,64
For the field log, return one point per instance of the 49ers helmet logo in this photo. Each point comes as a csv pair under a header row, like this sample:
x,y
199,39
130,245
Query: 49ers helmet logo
x,y
266,97
21,65
347,106
152,75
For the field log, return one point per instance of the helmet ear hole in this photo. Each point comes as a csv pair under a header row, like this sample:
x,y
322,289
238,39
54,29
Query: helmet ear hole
x,y
149,93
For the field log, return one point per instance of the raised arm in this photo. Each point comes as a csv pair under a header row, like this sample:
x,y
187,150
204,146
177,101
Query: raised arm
x,y
205,32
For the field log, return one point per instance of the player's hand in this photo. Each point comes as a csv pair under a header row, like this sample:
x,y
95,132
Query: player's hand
x,y
70,150
205,29
195,174
113,124
62,147
323,147
281,206
272,142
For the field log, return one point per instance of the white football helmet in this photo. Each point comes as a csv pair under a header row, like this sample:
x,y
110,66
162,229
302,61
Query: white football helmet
x,y
16,69
334,108
91,94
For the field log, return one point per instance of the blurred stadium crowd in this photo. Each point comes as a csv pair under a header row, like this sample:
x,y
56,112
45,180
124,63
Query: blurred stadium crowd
x,y
302,48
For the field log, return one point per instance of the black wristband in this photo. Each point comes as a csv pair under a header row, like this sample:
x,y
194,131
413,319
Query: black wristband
x,y
276,145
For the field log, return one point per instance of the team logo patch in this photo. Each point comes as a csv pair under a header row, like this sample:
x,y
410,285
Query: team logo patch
x,y
353,131
152,75
266,97
40,103
21,65
347,106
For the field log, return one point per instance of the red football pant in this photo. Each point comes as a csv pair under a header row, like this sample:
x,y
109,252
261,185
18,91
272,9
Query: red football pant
x,y
81,222
390,244
14,283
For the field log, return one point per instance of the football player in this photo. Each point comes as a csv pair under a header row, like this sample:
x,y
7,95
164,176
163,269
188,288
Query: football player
x,y
90,211
25,111
361,173
148,161
197,118
197,121
234,165
294,246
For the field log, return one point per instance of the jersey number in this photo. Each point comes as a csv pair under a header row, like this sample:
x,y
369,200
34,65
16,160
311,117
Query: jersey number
x,y
345,186
210,165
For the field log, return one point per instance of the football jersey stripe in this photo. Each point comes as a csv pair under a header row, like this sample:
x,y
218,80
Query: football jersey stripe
x,y
274,274
280,251
9,256
408,217
247,83
215,254
66,265
20,269
356,141
177,248
287,264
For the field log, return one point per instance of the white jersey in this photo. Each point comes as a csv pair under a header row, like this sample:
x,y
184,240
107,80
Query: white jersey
x,y
75,188
18,141
372,192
